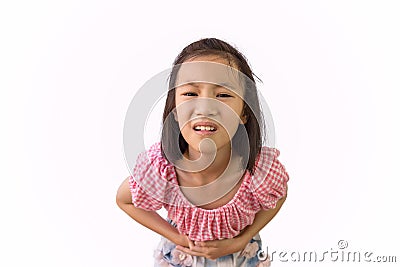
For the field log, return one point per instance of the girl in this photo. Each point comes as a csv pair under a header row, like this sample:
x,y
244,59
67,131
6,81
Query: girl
x,y
210,171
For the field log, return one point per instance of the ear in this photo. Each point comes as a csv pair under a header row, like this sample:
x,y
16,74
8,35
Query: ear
x,y
243,118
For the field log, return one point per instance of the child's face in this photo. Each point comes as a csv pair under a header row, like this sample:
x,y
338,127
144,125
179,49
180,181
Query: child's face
x,y
207,109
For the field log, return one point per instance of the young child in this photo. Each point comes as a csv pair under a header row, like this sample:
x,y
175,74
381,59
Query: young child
x,y
210,171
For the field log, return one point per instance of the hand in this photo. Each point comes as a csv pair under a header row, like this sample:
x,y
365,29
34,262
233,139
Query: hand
x,y
215,248
182,240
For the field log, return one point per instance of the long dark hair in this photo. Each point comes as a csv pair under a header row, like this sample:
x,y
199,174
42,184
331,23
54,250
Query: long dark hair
x,y
254,126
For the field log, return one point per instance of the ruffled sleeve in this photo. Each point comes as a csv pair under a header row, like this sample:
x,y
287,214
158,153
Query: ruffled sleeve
x,y
269,182
148,181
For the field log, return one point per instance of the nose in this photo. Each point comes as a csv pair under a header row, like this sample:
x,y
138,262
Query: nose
x,y
204,106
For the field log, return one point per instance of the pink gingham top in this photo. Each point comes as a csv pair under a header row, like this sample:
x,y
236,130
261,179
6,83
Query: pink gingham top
x,y
154,184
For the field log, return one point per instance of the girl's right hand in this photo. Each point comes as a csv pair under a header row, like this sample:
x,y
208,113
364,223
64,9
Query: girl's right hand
x,y
215,248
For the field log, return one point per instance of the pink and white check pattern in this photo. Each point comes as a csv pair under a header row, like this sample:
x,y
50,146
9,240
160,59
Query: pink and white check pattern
x,y
154,185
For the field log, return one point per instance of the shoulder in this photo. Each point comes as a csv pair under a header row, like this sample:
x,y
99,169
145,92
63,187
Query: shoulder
x,y
151,163
153,153
151,178
268,168
153,156
269,181
267,154
265,160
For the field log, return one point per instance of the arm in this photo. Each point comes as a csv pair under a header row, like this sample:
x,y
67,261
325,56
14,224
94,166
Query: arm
x,y
218,248
149,219
263,217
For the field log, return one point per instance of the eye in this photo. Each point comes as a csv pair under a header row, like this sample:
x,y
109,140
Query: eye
x,y
189,94
224,95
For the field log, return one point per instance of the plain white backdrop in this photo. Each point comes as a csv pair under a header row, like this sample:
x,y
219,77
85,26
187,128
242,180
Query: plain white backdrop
x,y
69,69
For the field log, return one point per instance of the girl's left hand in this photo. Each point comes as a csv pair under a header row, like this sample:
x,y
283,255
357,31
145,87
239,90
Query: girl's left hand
x,y
215,248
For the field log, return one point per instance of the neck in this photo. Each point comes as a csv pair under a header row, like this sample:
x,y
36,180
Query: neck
x,y
218,165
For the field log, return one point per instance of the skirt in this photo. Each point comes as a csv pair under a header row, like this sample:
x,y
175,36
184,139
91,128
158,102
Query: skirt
x,y
166,255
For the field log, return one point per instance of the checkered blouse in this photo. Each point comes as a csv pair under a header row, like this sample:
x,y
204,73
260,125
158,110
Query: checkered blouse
x,y
154,185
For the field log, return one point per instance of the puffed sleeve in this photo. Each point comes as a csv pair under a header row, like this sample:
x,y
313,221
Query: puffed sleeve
x,y
147,182
269,181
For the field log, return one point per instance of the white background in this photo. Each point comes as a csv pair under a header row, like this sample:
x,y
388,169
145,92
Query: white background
x,y
69,69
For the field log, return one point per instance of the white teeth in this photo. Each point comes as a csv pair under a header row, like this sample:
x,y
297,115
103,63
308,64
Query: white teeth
x,y
204,128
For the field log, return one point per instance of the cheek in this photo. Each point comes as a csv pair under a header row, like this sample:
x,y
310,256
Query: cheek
x,y
183,114
230,122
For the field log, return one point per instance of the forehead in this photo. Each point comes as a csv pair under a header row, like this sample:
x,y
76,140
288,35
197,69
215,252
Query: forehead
x,y
212,58
209,69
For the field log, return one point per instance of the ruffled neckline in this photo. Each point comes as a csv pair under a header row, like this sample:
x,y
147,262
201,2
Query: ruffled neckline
x,y
246,181
230,203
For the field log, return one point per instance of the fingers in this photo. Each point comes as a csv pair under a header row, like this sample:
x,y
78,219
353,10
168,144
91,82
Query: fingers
x,y
210,244
190,252
200,244
205,249
202,250
190,242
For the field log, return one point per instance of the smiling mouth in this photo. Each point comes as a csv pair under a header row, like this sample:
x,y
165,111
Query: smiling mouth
x,y
205,128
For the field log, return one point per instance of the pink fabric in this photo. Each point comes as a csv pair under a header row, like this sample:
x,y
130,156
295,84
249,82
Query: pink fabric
x,y
154,185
